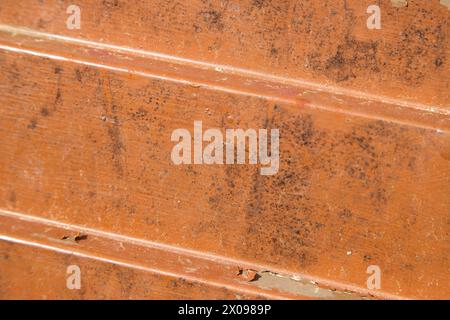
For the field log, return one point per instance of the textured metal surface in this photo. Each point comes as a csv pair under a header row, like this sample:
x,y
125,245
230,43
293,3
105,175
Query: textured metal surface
x,y
85,125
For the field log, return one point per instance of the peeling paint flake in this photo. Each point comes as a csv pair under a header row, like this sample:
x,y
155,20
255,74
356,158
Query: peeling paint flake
x,y
446,3
269,281
399,3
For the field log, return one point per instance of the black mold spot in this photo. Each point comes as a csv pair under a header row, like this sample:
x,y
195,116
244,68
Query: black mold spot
x,y
438,62
110,3
273,52
45,112
345,214
409,58
367,257
141,114
212,19
32,125
418,43
259,3
58,96
12,197
379,196
117,147
285,218
407,266
351,58
78,75
197,28
280,224
41,24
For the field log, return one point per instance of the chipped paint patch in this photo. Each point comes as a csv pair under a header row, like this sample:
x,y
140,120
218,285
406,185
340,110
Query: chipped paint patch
x,y
399,3
446,3
272,281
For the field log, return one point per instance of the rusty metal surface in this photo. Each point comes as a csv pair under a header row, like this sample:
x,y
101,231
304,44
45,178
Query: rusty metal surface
x,y
85,130
325,42
194,269
46,278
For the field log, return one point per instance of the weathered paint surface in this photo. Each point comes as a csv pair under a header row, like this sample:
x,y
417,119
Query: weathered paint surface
x,y
364,173
46,275
320,41
197,268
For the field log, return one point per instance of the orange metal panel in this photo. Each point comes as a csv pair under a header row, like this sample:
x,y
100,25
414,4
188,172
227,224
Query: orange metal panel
x,y
86,118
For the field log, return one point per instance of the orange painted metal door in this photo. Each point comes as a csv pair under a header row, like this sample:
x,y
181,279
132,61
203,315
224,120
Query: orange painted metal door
x,y
96,201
